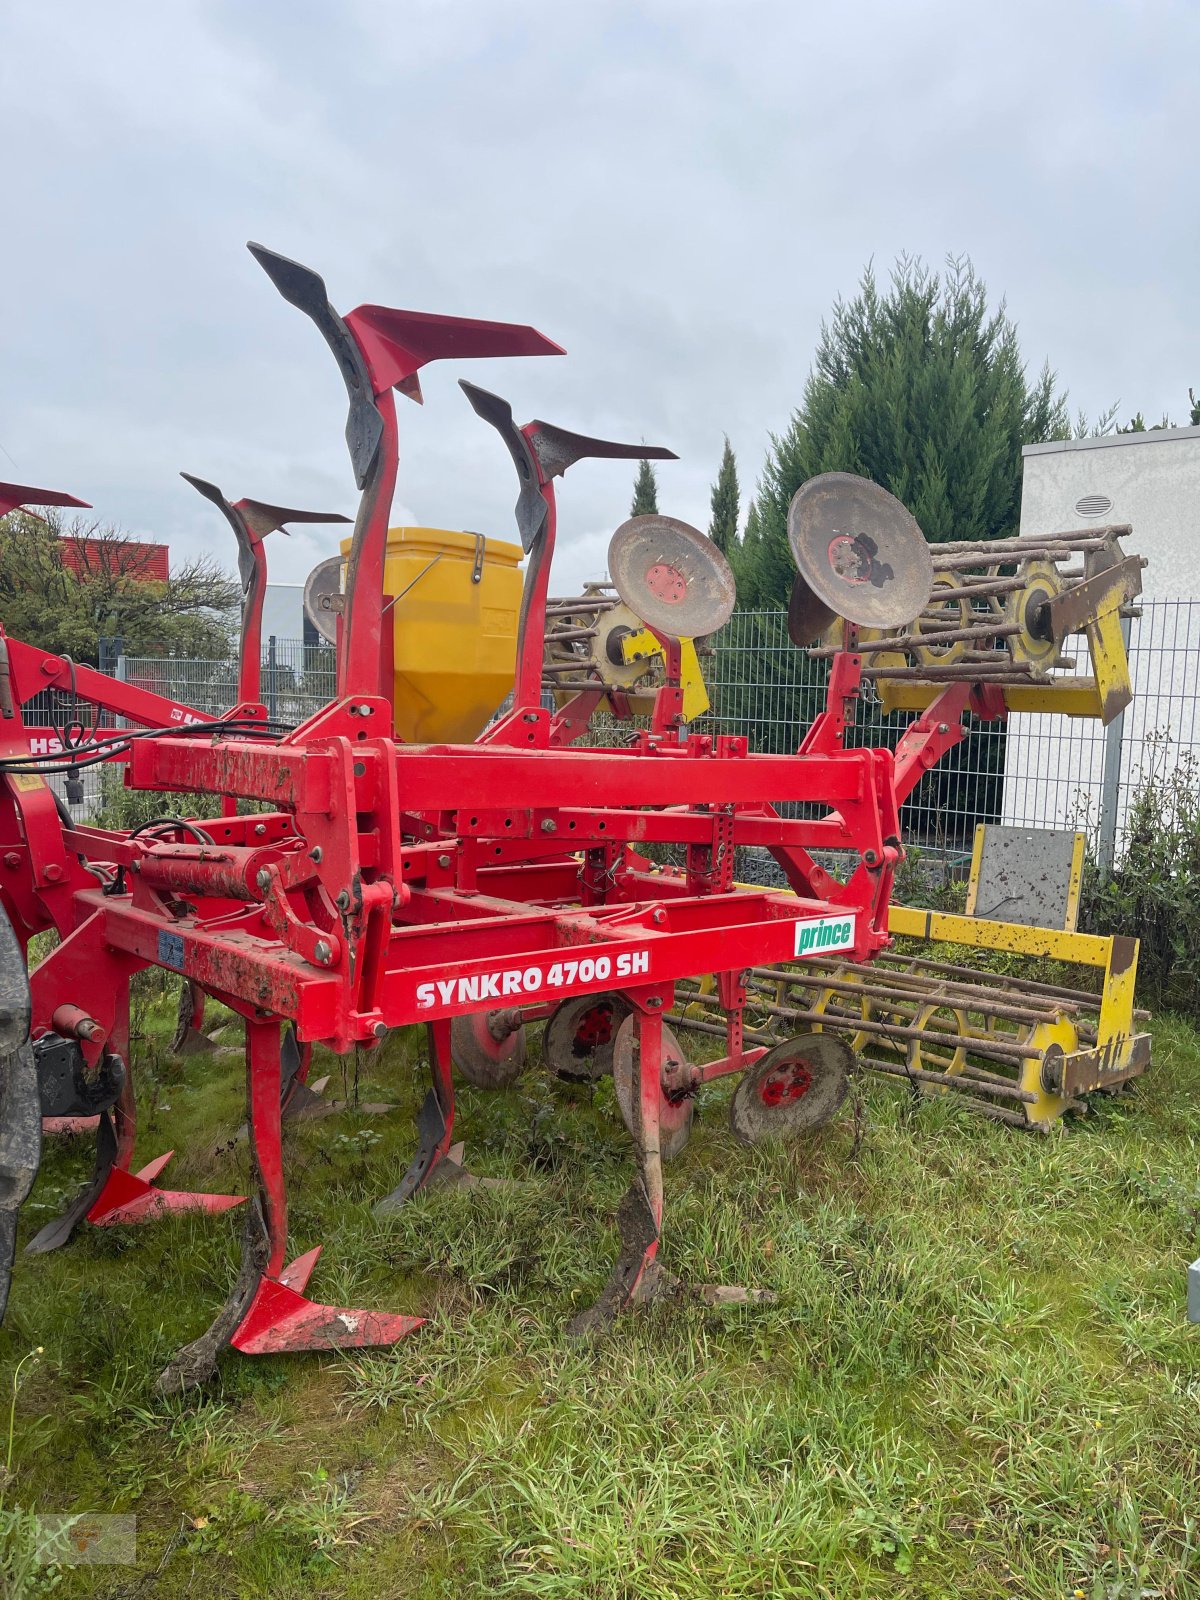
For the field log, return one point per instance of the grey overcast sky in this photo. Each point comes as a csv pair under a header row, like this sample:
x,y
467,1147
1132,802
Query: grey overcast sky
x,y
675,190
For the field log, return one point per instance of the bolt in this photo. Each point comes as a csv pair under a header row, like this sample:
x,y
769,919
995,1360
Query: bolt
x,y
654,1003
316,853
53,872
870,857
343,900
380,1030
443,861
263,880
12,859
529,716
363,711
549,825
323,952
260,828
943,727
659,916
360,768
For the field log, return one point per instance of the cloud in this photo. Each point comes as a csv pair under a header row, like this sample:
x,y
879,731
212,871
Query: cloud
x,y
675,190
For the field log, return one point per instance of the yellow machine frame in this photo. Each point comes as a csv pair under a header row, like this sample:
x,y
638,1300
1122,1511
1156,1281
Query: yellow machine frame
x,y
1120,1051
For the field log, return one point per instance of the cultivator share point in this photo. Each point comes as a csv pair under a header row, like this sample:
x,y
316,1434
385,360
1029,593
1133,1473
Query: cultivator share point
x,y
482,880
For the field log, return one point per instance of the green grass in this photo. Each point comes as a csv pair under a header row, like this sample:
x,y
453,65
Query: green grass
x,y
976,1377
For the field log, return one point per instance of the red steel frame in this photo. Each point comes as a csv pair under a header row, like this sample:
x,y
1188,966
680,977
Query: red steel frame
x,y
371,897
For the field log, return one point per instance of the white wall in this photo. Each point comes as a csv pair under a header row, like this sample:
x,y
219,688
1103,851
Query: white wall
x,y
1153,482
283,611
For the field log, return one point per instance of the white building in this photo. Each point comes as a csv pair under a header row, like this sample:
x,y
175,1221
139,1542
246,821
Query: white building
x,y
283,612
1054,766
1151,480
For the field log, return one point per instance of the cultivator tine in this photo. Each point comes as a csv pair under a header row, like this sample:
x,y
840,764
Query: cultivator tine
x,y
252,521
61,1229
267,1311
189,1038
433,1139
639,1215
133,1197
639,1241
15,495
116,1195
277,1316
435,1124
296,1097
530,508
305,289
196,1362
245,546
20,1151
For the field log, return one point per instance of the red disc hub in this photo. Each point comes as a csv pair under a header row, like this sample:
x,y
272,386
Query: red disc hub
x,y
788,1082
666,583
595,1028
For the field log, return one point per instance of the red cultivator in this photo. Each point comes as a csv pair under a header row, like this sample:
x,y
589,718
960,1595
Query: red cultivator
x,y
466,887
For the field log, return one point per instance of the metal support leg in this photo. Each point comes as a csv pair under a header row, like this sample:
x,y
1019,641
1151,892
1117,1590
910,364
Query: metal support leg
x,y
267,1312
639,1216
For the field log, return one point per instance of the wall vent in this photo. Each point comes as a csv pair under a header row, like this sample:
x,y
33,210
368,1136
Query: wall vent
x,y
1093,505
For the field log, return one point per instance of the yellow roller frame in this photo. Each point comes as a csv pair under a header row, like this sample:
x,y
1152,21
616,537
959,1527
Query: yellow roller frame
x,y
1120,1051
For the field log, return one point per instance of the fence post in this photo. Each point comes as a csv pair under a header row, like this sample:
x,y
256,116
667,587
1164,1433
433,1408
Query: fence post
x,y
1110,781
272,686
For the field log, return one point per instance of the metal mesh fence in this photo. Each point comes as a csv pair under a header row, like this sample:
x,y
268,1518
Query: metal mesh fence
x,y
297,679
1042,771
1035,771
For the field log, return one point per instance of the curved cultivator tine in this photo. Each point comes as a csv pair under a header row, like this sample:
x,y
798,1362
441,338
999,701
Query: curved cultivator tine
x,y
531,508
435,1123
60,1230
305,289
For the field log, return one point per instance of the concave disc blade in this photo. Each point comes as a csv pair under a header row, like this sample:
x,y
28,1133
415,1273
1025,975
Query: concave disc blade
x,y
859,550
671,576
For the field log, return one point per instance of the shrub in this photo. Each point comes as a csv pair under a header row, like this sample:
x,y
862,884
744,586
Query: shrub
x,y
1154,893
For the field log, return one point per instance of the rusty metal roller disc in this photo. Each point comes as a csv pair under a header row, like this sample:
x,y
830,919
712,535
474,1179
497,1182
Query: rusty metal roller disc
x,y
859,552
577,1044
671,576
675,1109
1028,608
488,1048
797,1086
